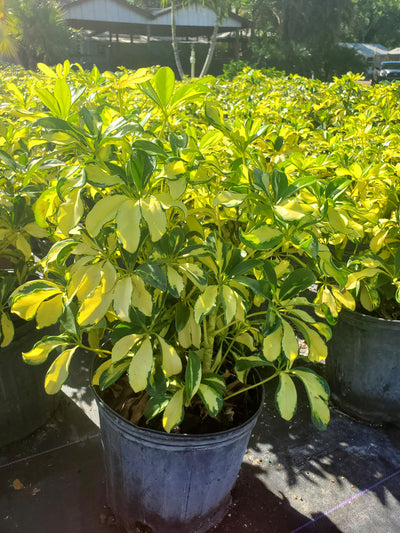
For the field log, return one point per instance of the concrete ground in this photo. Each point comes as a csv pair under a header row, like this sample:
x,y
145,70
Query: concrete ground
x,y
293,479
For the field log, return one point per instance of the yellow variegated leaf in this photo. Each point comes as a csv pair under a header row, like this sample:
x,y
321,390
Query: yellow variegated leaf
x,y
174,411
27,305
378,240
102,368
272,344
23,246
175,168
317,347
70,212
337,220
190,335
175,280
345,298
205,303
247,340
94,307
141,298
354,277
294,212
7,330
49,311
41,351
58,372
286,396
123,346
155,217
177,187
328,299
171,362
365,299
108,276
122,298
128,225
229,303
290,344
84,281
103,211
141,366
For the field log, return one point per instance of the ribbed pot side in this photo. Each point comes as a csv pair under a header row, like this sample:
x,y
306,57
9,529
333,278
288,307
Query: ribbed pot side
x,y
24,404
363,367
171,482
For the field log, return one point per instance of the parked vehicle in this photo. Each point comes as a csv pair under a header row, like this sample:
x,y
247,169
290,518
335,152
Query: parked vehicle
x,y
386,71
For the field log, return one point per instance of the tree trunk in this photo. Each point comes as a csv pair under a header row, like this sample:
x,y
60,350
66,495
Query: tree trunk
x,y
211,47
174,42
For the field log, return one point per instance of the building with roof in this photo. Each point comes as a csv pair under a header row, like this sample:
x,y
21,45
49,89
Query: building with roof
x,y
114,32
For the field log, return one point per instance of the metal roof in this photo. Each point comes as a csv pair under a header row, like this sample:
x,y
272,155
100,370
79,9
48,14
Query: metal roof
x,y
119,16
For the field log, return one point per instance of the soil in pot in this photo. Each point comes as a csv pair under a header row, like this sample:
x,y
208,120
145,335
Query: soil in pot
x,y
126,403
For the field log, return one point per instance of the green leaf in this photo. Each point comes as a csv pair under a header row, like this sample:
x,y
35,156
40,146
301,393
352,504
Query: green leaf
x,y
192,375
164,82
297,281
286,396
152,274
62,95
195,274
211,398
318,394
205,303
174,411
58,371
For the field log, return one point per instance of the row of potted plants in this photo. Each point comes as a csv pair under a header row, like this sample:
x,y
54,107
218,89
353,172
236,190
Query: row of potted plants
x,y
175,229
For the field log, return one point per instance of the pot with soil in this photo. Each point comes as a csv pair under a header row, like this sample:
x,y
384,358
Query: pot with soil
x,y
175,482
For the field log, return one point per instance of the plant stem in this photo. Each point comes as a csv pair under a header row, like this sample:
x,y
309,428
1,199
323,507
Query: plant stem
x,y
95,350
249,387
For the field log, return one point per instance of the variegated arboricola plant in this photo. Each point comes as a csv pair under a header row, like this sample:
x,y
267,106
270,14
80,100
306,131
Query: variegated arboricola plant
x,y
180,255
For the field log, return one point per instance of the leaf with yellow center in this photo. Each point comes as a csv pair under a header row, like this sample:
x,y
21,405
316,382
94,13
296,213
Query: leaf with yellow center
x,y
58,371
155,217
128,225
50,311
272,344
141,366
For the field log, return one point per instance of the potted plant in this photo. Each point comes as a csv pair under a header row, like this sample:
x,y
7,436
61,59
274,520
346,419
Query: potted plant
x,y
359,294
177,258
23,405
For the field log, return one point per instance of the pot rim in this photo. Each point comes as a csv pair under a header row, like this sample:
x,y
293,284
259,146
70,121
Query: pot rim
x,y
152,435
356,316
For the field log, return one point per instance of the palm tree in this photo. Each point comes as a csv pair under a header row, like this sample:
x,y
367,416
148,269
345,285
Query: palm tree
x,y
32,31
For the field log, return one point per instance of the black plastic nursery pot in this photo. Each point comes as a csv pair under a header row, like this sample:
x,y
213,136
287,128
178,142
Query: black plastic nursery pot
x,y
363,367
173,483
24,404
